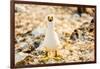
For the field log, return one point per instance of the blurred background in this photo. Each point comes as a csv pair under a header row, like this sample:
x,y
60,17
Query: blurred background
x,y
74,25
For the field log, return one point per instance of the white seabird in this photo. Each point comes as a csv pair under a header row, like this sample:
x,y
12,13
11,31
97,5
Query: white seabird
x,y
51,41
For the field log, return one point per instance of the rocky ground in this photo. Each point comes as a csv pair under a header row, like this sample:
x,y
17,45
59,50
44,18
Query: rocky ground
x,y
74,26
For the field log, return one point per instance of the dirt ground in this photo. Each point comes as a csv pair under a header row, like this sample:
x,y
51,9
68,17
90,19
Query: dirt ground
x,y
75,27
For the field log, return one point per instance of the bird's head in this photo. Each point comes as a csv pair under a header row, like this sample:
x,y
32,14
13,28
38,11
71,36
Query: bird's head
x,y
50,18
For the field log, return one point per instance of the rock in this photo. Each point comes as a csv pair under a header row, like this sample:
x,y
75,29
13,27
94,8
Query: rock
x,y
29,49
74,36
20,56
81,10
23,45
20,63
26,61
38,31
36,44
29,59
18,50
76,17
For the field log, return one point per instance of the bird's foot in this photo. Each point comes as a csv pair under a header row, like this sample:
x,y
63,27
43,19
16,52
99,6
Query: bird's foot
x,y
57,58
45,58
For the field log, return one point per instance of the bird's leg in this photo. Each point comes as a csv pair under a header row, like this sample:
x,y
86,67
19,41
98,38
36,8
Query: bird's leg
x,y
51,53
47,53
56,53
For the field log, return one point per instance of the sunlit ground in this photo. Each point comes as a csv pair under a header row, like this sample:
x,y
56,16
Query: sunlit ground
x,y
74,29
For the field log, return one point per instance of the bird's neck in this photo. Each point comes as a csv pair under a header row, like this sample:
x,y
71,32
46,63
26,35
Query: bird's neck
x,y
51,26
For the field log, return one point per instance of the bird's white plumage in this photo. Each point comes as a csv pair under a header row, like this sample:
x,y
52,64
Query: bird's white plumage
x,y
51,39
